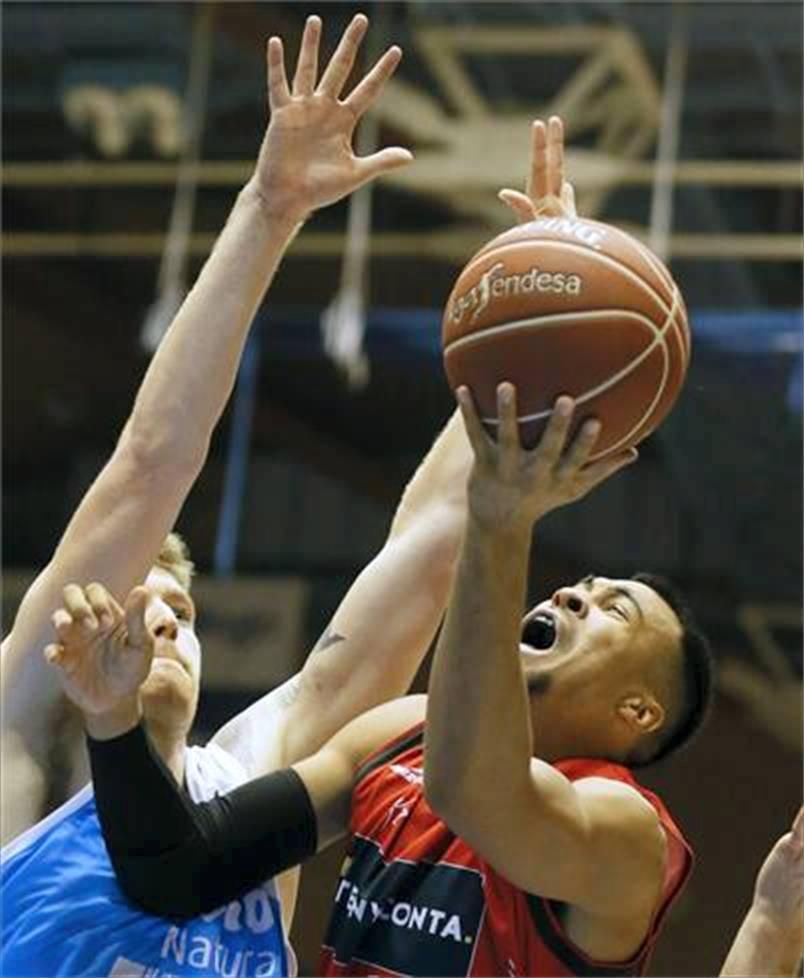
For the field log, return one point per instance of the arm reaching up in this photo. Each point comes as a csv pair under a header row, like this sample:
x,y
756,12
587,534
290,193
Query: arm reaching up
x,y
383,627
770,940
306,161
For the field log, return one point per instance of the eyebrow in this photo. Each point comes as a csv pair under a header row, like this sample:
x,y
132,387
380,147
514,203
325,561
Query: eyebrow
x,y
179,597
589,583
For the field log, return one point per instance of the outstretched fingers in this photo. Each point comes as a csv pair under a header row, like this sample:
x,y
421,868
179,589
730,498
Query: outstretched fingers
x,y
551,444
136,607
307,65
508,442
343,60
478,439
555,156
546,186
580,449
278,90
596,472
536,185
368,89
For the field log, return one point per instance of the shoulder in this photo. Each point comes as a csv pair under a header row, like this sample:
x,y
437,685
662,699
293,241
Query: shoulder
x,y
211,770
618,809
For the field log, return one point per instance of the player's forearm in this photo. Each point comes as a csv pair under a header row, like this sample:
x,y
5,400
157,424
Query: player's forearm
x,y
177,857
439,481
377,639
478,727
192,373
763,946
386,623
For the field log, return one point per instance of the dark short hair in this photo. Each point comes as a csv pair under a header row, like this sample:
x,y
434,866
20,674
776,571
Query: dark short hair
x,y
697,678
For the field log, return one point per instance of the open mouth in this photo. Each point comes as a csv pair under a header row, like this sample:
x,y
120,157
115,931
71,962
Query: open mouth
x,y
540,632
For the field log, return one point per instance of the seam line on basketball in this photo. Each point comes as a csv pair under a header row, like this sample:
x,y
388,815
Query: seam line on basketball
x,y
557,320
665,372
658,340
669,281
605,259
548,321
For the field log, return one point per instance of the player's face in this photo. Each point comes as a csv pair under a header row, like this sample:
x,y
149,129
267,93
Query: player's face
x,y
170,693
594,633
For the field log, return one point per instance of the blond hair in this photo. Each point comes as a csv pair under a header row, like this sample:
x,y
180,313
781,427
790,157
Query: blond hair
x,y
174,557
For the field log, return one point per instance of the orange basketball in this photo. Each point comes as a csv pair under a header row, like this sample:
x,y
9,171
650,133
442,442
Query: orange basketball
x,y
569,306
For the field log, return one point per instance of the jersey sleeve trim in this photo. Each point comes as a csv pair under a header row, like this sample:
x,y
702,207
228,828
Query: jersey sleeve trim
x,y
559,945
405,741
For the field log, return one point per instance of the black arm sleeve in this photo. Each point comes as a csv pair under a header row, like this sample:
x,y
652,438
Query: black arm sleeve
x,y
179,858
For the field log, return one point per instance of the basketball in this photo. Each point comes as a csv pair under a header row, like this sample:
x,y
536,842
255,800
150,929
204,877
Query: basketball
x,y
569,306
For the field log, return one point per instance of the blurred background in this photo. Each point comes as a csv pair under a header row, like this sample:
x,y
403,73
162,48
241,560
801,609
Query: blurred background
x,y
128,129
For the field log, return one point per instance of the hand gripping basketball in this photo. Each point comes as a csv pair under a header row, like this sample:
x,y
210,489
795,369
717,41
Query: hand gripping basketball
x,y
511,487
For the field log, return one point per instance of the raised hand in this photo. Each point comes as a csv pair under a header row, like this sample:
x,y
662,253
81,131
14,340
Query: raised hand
x,y
306,159
511,487
104,651
779,891
547,193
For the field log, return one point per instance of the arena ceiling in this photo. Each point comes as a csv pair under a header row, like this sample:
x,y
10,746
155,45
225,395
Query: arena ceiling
x,y
93,95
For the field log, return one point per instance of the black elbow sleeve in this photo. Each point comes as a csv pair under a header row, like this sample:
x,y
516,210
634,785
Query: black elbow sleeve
x,y
179,858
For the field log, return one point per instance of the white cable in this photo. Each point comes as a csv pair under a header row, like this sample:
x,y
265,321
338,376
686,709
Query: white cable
x,y
661,211
171,284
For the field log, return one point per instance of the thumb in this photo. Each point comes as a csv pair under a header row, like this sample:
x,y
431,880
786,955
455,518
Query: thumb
x,y
390,158
604,468
54,654
520,204
568,198
139,635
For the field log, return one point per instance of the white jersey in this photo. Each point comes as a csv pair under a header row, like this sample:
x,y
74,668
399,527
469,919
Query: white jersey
x,y
63,913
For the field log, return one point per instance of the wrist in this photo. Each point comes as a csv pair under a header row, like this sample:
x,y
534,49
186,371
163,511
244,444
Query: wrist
x,y
776,925
501,516
115,722
509,531
282,212
771,929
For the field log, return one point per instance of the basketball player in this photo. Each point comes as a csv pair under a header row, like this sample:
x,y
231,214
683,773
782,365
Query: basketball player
x,y
770,940
524,845
63,913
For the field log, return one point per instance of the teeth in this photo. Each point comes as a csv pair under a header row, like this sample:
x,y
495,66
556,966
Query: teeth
x,y
540,632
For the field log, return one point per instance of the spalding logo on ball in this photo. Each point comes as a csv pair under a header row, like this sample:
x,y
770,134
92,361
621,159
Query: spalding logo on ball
x,y
568,306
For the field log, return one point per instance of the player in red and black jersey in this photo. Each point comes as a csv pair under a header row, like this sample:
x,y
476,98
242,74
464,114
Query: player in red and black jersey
x,y
515,841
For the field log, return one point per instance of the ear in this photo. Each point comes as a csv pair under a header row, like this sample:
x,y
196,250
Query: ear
x,y
642,712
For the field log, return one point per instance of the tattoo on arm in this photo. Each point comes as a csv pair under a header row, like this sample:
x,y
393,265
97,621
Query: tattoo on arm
x,y
289,693
328,639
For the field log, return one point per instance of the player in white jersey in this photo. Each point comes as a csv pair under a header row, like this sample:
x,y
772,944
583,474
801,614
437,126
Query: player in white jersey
x,y
62,911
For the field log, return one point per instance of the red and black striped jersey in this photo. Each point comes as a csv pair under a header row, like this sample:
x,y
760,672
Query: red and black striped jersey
x,y
414,899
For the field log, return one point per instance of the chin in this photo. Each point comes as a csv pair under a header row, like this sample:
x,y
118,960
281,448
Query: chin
x,y
168,702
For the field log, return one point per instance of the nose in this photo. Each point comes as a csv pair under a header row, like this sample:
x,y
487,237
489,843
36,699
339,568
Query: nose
x,y
569,599
166,626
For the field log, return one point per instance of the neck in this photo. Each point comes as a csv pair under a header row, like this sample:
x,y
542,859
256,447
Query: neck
x,y
554,739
